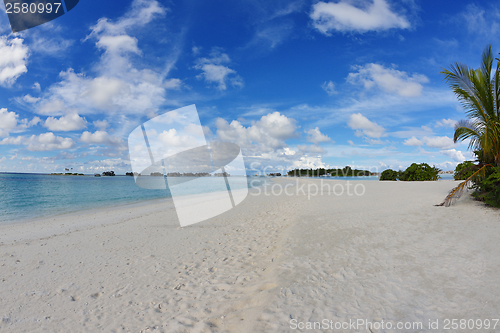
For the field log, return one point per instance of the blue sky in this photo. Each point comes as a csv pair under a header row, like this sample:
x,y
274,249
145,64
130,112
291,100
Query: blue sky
x,y
294,83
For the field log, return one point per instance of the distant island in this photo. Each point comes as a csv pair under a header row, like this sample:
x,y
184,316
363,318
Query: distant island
x,y
344,172
178,174
67,174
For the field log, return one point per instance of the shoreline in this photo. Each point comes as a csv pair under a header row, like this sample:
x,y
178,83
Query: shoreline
x,y
45,226
112,206
75,209
125,205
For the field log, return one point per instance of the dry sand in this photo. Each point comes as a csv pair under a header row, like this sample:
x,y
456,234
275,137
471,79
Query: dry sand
x,y
388,255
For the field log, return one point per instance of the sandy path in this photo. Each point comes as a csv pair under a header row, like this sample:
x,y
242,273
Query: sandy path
x,y
387,255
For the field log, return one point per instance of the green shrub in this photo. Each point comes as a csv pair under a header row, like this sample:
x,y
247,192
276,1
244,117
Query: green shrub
x,y
389,175
488,187
464,170
419,172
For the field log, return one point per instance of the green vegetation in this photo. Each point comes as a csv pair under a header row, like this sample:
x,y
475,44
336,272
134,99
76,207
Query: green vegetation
x,y
464,170
389,174
67,174
415,172
487,189
345,172
479,92
420,172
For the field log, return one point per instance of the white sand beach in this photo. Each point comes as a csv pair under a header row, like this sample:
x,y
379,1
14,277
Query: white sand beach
x,y
271,264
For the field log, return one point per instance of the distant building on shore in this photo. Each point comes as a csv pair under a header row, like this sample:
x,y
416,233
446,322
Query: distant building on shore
x,y
222,174
188,174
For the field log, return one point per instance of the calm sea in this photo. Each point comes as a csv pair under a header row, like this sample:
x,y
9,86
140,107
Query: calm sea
x,y
27,196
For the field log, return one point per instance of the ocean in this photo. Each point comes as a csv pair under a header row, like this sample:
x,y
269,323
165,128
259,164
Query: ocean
x,y
28,196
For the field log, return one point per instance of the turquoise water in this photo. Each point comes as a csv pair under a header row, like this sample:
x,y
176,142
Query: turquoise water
x,y
27,196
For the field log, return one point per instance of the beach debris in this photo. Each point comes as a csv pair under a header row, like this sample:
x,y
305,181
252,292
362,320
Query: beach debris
x,y
457,191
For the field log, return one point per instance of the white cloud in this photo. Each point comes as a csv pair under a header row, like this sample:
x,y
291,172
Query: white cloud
x,y
55,46
141,13
172,84
308,162
172,139
69,122
24,123
441,142
351,142
213,70
268,133
343,16
18,140
100,138
316,149
264,146
329,87
135,91
207,131
375,141
196,50
446,123
30,99
48,141
480,21
447,165
101,124
118,44
364,126
389,80
43,142
36,87
9,122
456,155
13,58
119,85
413,141
51,107
102,91
315,136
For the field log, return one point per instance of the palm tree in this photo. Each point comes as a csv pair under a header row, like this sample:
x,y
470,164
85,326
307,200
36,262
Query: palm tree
x,y
478,90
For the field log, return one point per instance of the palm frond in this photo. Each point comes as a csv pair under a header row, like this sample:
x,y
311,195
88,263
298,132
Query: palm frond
x,y
468,129
457,191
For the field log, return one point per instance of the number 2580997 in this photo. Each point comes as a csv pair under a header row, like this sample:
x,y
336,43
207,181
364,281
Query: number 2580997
x,y
25,8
